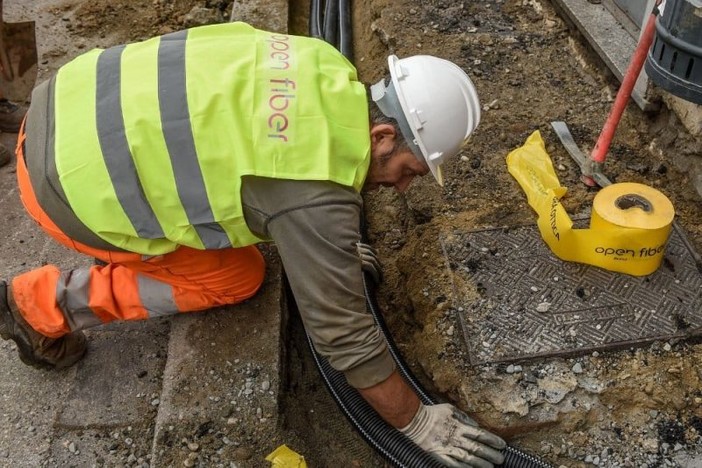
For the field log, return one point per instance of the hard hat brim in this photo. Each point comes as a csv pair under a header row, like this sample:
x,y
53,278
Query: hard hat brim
x,y
438,174
393,63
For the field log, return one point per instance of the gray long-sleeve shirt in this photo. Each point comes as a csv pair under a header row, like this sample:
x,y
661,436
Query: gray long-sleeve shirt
x,y
315,226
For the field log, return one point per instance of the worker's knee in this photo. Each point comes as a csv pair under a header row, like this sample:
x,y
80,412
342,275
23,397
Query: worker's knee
x,y
254,270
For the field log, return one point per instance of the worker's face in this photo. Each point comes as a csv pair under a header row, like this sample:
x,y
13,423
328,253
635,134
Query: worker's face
x,y
391,167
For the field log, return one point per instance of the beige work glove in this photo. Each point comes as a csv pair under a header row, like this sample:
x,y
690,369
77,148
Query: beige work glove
x,y
453,438
369,261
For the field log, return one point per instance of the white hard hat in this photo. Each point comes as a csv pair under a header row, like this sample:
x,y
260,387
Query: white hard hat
x,y
435,104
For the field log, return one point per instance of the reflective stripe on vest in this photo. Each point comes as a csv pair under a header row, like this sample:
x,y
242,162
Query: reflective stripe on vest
x,y
153,156
115,147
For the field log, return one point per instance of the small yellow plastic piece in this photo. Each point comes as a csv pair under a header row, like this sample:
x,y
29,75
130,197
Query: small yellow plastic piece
x,y
284,457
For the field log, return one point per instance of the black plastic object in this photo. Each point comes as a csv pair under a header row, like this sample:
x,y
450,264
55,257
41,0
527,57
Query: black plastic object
x,y
345,32
316,19
674,61
330,20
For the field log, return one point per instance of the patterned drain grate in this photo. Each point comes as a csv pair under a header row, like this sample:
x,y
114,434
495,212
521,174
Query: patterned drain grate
x,y
523,302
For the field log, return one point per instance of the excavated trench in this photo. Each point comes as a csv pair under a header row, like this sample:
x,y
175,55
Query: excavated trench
x,y
637,404
387,444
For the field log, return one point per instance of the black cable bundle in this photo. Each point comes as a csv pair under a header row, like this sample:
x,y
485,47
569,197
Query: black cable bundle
x,y
330,20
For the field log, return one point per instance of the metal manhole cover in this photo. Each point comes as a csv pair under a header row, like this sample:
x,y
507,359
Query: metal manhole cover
x,y
523,302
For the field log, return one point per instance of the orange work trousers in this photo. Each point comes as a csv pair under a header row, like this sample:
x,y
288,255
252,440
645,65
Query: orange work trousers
x,y
130,287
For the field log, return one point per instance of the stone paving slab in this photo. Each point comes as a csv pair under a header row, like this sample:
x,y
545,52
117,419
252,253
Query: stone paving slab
x,y
119,377
27,409
609,39
527,303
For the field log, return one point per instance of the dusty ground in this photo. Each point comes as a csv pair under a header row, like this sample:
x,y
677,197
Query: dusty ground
x,y
633,408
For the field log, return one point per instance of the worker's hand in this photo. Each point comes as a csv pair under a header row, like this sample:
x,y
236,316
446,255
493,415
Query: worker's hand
x,y
453,438
369,261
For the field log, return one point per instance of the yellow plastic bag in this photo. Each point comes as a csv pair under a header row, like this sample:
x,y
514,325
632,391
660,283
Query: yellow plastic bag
x,y
283,457
630,222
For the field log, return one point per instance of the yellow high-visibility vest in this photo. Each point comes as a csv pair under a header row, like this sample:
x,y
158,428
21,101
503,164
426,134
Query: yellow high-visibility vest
x,y
151,139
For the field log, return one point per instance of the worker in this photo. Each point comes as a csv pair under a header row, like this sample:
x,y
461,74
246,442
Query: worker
x,y
169,159
11,115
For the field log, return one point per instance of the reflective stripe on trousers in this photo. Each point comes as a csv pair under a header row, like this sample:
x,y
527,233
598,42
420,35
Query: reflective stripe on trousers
x,y
129,287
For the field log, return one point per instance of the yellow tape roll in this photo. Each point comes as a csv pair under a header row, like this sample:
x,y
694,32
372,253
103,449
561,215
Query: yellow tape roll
x,y
635,221
630,222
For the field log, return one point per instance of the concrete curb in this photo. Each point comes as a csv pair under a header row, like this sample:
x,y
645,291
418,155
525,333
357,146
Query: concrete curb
x,y
219,400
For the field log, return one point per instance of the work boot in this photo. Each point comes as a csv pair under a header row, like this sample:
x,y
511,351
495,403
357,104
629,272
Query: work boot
x,y
5,155
35,349
11,116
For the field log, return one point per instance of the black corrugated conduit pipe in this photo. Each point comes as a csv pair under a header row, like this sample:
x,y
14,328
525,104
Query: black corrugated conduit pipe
x,y
390,443
331,21
514,458
385,439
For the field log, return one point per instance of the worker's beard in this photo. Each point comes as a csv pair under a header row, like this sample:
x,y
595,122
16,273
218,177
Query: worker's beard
x,y
377,170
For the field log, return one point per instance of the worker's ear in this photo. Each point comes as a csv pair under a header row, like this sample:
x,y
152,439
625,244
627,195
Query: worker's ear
x,y
383,139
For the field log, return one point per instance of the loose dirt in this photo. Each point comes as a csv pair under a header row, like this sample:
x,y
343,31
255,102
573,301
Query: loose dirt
x,y
630,408
639,407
